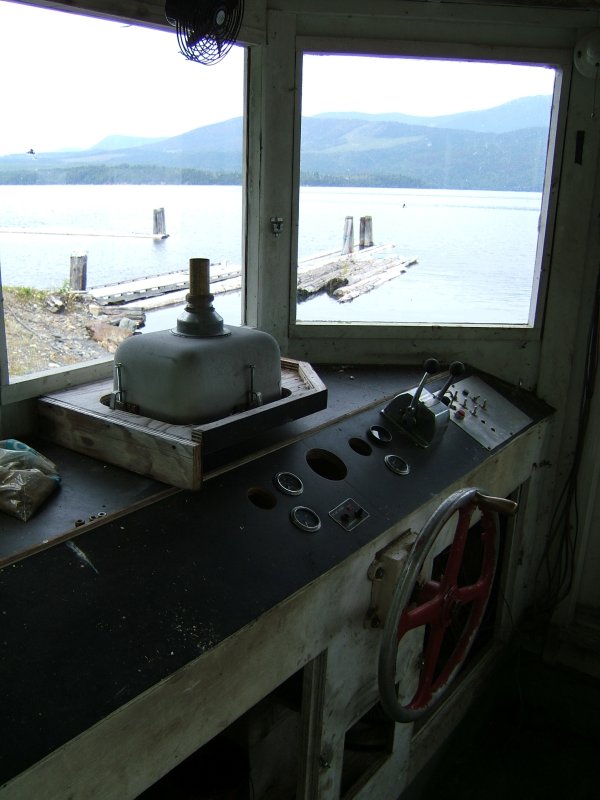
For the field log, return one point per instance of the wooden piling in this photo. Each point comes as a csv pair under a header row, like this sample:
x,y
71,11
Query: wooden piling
x,y
348,242
78,272
366,233
159,227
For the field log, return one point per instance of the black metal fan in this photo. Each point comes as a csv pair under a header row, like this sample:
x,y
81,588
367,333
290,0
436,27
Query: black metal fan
x,y
206,29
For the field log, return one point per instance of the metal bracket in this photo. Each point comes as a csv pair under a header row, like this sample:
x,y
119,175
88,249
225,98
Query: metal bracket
x,y
384,574
276,225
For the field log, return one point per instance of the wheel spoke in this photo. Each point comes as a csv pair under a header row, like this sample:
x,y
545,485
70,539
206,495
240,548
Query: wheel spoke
x,y
488,537
428,591
475,591
456,658
426,614
481,587
430,659
457,548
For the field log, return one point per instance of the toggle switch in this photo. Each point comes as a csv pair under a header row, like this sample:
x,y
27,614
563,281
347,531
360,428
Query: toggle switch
x,y
349,514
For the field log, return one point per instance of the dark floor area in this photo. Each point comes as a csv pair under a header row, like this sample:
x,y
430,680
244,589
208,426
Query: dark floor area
x,y
534,736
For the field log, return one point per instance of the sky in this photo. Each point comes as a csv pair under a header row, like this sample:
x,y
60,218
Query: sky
x,y
69,81
443,87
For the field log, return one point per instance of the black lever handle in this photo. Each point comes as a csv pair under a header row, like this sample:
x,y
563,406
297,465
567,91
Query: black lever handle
x,y
430,366
456,370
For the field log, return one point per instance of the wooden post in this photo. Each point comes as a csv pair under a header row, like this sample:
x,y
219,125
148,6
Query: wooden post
x,y
78,274
159,227
366,233
348,243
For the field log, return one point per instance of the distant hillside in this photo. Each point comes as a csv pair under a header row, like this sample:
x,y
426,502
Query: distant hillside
x,y
525,112
394,154
117,142
502,148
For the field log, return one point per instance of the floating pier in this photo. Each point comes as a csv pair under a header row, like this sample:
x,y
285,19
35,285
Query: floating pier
x,y
164,290
344,274
348,274
342,277
159,230
346,277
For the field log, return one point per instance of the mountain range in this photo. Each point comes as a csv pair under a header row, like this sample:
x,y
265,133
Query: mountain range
x,y
502,148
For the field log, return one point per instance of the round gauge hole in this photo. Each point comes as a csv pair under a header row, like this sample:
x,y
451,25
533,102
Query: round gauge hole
x,y
326,464
261,498
380,434
360,446
288,483
305,519
397,465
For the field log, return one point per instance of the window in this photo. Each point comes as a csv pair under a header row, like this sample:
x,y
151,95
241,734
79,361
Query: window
x,y
443,162
92,148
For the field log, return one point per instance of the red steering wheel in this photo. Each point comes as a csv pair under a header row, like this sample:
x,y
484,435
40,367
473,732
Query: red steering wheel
x,y
438,604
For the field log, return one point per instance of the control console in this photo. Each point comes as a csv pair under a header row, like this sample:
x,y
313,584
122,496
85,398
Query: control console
x,y
420,414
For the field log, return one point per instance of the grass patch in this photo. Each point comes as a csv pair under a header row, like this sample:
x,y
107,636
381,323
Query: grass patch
x,y
27,293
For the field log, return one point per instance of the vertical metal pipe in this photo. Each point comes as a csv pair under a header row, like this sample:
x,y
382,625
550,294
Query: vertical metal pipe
x,y
199,277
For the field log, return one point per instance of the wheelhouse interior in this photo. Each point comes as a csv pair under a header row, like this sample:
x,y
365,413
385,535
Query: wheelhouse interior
x,y
256,611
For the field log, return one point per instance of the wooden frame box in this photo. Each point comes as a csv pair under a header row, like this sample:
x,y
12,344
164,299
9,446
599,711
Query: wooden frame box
x,y
78,418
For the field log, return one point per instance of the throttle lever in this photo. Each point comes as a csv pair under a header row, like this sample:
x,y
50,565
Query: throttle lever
x,y
431,365
456,370
424,421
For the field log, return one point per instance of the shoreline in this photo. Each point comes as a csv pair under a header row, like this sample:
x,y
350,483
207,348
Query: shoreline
x,y
53,329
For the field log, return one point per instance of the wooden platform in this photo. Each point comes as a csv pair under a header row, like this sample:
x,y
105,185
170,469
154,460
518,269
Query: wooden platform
x,y
99,234
80,419
349,276
170,288
343,277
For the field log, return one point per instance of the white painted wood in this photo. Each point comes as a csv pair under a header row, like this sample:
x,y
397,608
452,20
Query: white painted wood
x,y
586,566
309,338
278,103
152,14
572,281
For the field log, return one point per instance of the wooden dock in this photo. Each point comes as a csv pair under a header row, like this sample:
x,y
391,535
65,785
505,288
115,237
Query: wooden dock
x,y
159,230
164,290
343,277
99,234
346,277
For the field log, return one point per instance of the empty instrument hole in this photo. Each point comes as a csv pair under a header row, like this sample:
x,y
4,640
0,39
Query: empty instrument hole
x,y
379,434
326,464
261,498
360,446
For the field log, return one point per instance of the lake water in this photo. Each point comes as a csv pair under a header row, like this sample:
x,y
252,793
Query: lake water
x,y
475,250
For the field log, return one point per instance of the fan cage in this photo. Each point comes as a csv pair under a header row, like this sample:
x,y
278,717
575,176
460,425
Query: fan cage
x,y
206,31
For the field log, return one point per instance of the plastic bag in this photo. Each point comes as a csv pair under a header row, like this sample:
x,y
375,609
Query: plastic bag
x,y
27,478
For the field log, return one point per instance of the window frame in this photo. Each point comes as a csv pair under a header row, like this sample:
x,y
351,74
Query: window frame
x,y
460,36
26,387
406,335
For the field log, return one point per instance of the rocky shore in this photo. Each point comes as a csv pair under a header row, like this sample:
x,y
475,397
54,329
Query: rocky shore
x,y
48,330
